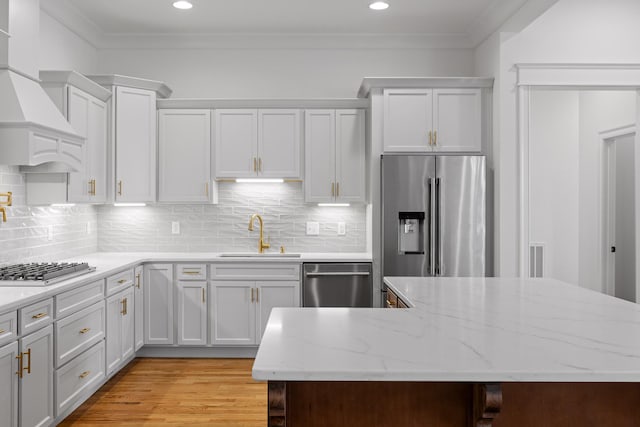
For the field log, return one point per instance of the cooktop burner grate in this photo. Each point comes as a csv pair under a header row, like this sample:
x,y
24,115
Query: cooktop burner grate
x,y
42,272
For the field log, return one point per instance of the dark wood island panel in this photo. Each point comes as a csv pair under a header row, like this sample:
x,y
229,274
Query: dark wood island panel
x,y
450,404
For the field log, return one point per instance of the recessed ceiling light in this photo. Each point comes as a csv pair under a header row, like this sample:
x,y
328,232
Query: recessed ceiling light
x,y
182,4
379,5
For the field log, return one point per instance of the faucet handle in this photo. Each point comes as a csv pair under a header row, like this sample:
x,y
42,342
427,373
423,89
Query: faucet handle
x,y
268,244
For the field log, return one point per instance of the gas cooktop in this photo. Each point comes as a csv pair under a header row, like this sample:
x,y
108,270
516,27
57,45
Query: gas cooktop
x,y
41,274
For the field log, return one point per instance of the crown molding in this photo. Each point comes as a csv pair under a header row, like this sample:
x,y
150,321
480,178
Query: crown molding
x,y
73,78
285,41
160,88
582,76
369,83
317,103
74,20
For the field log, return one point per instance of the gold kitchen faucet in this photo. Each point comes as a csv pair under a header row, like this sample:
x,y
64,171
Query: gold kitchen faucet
x,y
261,244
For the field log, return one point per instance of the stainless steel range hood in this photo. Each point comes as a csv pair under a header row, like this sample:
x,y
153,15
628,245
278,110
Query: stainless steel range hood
x,y
33,132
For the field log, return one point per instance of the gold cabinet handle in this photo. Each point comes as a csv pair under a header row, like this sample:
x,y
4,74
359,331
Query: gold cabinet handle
x,y
435,137
84,374
259,164
121,281
90,187
138,280
337,189
38,316
206,189
251,294
119,188
203,300
124,307
2,331
84,330
333,189
94,187
28,368
257,294
255,164
20,358
190,272
430,138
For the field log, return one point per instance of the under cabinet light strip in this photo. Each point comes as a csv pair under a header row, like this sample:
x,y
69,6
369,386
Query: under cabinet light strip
x,y
260,180
126,205
335,205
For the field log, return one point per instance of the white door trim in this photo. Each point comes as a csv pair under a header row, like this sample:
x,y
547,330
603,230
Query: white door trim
x,y
563,77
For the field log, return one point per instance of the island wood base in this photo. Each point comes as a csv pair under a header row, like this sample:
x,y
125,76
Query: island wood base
x,y
431,404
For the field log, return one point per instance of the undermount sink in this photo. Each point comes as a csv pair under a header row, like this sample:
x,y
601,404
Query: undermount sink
x,y
257,255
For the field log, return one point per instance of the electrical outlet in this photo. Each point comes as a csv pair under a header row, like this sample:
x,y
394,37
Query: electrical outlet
x,y
313,228
342,229
50,233
175,227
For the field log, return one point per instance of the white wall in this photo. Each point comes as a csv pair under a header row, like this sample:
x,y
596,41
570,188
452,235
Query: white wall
x,y
571,31
279,73
61,49
554,180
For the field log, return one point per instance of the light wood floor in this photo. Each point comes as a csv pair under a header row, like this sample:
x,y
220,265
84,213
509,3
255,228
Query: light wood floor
x,y
204,392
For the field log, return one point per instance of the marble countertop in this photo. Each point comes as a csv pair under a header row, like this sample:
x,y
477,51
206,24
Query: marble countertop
x,y
106,263
459,329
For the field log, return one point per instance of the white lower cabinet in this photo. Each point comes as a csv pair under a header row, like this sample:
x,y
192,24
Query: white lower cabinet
x,y
192,313
240,309
120,328
138,280
158,304
75,380
9,385
35,368
233,313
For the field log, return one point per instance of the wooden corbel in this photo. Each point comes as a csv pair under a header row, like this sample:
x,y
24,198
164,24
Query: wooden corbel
x,y
487,402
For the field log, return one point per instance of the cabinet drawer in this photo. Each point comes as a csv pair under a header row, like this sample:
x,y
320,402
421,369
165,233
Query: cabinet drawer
x,y
76,379
253,271
119,281
192,271
36,316
8,327
81,330
77,299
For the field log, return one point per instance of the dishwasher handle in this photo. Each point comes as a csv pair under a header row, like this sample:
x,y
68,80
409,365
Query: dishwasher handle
x,y
341,273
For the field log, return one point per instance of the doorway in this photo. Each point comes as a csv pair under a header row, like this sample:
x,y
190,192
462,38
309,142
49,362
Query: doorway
x,y
619,185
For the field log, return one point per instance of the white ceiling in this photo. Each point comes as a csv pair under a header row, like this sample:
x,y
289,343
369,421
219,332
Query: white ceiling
x,y
442,17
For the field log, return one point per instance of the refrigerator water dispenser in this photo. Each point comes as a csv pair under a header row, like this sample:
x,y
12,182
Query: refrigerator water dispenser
x,y
411,233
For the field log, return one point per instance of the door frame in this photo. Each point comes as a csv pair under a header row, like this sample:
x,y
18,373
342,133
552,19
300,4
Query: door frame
x,y
607,138
563,77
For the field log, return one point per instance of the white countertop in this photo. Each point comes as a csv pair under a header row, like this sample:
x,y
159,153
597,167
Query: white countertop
x,y
459,329
106,263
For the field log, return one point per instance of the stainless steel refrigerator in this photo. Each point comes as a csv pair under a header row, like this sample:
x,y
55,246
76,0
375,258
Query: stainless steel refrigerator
x,y
434,215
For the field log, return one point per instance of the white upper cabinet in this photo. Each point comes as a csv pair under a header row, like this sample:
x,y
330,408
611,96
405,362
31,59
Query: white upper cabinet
x,y
335,156
408,119
350,156
279,143
135,145
236,143
88,116
253,143
426,120
457,119
184,156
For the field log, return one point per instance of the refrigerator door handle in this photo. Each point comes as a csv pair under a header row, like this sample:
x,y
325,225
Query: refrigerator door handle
x,y
439,269
431,230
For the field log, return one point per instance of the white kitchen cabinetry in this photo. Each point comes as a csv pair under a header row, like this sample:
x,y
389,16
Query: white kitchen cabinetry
x,y
158,304
88,116
240,303
9,385
120,328
138,274
36,378
335,156
192,313
135,144
425,120
233,313
257,143
184,157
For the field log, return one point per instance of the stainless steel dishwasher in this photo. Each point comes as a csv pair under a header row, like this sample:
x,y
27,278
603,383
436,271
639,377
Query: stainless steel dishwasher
x,y
337,285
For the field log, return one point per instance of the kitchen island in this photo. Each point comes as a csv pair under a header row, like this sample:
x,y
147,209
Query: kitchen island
x,y
468,352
